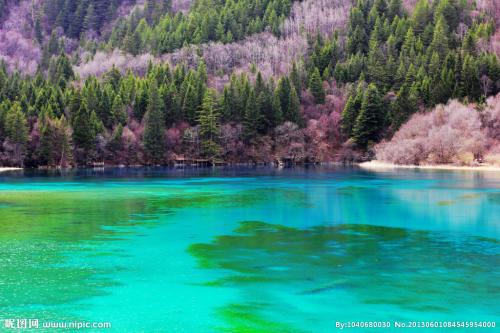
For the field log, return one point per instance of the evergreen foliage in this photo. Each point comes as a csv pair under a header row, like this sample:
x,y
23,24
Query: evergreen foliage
x,y
316,87
392,63
154,130
209,128
423,58
160,31
371,117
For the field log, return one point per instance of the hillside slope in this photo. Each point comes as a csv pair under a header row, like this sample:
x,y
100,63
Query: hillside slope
x,y
144,82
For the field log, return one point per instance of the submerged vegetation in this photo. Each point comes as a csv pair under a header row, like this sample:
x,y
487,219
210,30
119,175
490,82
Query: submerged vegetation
x,y
247,250
286,260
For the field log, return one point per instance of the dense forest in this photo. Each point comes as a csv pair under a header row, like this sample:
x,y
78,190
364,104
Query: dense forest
x,y
366,71
207,20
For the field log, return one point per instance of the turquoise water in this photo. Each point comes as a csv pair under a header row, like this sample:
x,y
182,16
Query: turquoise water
x,y
249,250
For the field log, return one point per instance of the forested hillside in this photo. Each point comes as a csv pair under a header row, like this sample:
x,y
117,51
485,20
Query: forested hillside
x,y
126,82
207,20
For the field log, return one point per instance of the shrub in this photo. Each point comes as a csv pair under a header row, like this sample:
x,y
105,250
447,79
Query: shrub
x,y
452,133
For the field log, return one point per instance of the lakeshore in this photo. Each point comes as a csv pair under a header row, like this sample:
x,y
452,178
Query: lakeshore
x,y
378,165
8,169
370,165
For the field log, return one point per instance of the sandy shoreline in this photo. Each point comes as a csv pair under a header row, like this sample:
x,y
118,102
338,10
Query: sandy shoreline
x,y
8,169
377,165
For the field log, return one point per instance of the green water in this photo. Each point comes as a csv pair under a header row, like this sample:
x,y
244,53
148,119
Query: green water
x,y
249,250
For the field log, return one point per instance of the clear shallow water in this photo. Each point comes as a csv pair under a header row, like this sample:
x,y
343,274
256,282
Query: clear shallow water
x,y
249,250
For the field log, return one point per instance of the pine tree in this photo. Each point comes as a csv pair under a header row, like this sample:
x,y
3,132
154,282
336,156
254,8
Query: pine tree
x,y
154,129
55,142
132,42
440,42
201,73
403,107
74,18
101,9
421,16
451,10
105,106
226,102
294,113
172,114
259,85
4,108
84,129
62,142
65,12
190,103
141,102
295,78
469,43
91,21
38,31
277,118
149,9
470,77
64,70
351,110
253,118
209,128
376,69
115,143
53,46
316,87
111,10
395,9
16,130
266,110
113,77
46,141
118,111
370,119
357,40
284,91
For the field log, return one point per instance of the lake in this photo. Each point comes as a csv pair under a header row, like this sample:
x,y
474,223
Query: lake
x,y
249,249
